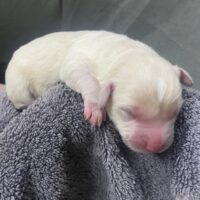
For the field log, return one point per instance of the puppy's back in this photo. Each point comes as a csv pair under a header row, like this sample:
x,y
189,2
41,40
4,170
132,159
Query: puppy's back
x,y
35,66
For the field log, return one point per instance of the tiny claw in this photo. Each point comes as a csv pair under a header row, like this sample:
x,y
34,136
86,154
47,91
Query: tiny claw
x,y
94,114
87,115
88,109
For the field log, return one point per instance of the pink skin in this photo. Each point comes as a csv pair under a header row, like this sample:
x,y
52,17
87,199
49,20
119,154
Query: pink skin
x,y
184,76
94,114
149,137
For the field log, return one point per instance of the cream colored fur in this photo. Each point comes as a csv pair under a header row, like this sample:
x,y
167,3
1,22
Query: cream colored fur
x,y
139,75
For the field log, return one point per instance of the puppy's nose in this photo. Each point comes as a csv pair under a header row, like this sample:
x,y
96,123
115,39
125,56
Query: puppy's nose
x,y
150,141
155,147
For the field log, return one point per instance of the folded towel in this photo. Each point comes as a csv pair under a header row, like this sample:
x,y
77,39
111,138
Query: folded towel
x,y
48,151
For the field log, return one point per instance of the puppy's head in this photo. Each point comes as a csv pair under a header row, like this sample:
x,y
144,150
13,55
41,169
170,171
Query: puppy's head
x,y
144,108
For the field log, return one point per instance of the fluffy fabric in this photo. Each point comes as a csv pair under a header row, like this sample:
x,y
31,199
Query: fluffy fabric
x,y
48,151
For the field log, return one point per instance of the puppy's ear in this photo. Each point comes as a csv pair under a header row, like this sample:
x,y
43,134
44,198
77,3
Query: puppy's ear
x,y
184,76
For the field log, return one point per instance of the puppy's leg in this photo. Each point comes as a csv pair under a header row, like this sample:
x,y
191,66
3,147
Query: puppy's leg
x,y
98,115
83,81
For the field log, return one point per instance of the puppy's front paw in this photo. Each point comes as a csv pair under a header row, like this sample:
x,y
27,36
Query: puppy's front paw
x,y
94,113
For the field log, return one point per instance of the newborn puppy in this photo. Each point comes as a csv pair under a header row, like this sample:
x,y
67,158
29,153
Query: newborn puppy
x,y
140,91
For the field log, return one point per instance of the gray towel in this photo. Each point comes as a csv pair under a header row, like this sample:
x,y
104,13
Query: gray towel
x,y
49,152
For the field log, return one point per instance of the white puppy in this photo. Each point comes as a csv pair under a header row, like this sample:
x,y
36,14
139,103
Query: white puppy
x,y
140,90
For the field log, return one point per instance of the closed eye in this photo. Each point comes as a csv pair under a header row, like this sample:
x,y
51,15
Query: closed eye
x,y
126,114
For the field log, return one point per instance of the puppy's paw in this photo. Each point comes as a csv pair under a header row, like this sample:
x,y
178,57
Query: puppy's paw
x,y
94,114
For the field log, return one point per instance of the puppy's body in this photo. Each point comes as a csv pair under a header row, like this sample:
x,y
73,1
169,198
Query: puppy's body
x,y
146,91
